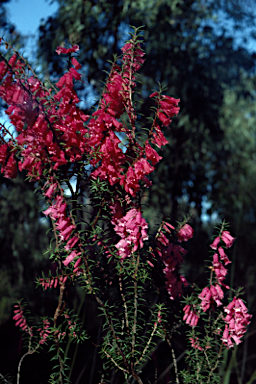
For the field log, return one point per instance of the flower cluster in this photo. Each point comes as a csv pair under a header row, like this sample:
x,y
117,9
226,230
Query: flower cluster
x,y
21,319
44,332
132,230
55,132
112,99
52,282
228,240
214,293
110,162
191,317
172,257
71,326
237,319
57,212
209,295
167,107
195,343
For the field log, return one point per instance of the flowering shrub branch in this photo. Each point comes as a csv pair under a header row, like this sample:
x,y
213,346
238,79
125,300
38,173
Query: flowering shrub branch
x,y
104,245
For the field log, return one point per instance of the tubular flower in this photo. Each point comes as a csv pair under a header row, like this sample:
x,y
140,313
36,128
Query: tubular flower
x,y
172,256
215,243
223,256
209,295
112,99
227,238
191,317
167,107
20,319
219,269
185,233
132,230
195,343
236,320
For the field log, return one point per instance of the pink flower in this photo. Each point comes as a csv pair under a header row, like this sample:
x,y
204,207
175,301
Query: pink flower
x,y
237,320
132,56
215,243
112,99
227,238
44,333
195,343
172,256
185,233
51,190
162,238
132,230
76,64
66,233
191,317
205,296
167,226
223,256
71,257
71,243
217,294
20,319
219,269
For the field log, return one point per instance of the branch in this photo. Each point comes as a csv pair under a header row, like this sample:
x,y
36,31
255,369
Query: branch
x,y
125,305
135,305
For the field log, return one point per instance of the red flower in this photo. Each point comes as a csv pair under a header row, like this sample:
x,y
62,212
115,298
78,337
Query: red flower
x,y
168,107
3,153
10,170
158,137
60,50
112,99
151,154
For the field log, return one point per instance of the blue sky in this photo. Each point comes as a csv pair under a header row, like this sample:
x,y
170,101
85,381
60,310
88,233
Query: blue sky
x,y
27,14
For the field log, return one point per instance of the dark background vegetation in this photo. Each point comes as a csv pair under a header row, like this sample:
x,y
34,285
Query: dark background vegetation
x,y
199,50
